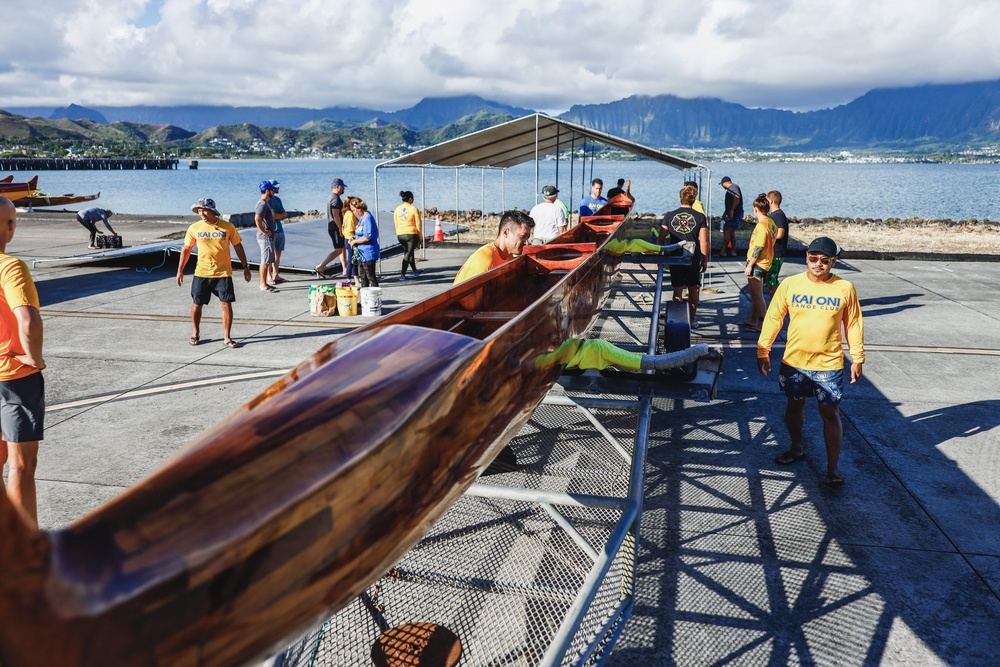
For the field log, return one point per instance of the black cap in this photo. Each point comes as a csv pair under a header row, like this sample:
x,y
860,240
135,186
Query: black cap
x,y
824,246
549,191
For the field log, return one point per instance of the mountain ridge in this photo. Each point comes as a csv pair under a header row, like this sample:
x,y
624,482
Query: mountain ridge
x,y
938,117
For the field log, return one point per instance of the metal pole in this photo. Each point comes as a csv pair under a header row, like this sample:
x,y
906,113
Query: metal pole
x,y
558,128
375,178
503,190
423,208
572,162
536,158
482,210
457,234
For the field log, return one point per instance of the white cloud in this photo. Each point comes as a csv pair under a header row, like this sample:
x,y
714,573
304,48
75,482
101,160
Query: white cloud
x,y
542,54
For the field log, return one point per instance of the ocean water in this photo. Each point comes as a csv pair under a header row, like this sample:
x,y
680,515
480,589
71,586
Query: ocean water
x,y
957,191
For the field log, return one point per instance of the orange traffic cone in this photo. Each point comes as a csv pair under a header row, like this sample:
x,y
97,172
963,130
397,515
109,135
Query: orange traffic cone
x,y
438,230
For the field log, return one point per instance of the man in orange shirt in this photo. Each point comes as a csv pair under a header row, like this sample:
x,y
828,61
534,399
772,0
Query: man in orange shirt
x,y
22,389
514,232
820,305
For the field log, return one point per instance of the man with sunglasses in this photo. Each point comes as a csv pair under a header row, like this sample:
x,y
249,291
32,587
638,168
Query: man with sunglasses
x,y
820,305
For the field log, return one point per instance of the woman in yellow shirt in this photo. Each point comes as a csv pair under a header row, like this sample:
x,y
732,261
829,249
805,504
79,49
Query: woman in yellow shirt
x,y
759,256
350,224
409,231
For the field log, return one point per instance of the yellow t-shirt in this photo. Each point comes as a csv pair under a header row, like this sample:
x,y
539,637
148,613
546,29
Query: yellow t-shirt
x,y
350,223
213,242
763,237
16,289
818,311
407,219
481,261
698,206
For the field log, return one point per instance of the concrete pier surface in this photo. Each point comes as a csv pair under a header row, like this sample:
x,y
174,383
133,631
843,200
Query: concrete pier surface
x,y
742,561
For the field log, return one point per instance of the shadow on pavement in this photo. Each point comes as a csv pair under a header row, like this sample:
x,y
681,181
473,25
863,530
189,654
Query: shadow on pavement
x,y
745,561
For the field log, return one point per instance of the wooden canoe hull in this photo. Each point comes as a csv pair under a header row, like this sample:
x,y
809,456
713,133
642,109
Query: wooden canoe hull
x,y
14,191
40,200
292,506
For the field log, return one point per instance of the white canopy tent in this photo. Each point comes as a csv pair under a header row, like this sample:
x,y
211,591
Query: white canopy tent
x,y
529,138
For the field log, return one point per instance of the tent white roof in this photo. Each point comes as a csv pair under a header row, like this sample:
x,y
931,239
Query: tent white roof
x,y
524,140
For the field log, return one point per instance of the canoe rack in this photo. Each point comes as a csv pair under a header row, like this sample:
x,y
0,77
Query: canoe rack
x,y
536,563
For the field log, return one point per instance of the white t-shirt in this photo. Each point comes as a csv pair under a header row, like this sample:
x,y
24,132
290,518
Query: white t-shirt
x,y
548,217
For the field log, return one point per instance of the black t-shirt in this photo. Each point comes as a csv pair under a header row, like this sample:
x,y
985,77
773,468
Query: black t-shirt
x,y
685,224
781,222
734,198
335,204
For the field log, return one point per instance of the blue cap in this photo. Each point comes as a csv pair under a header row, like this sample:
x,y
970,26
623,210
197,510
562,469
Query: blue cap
x,y
337,182
266,185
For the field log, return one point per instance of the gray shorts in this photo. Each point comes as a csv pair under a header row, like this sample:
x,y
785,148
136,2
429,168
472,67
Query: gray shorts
x,y
279,241
266,244
22,409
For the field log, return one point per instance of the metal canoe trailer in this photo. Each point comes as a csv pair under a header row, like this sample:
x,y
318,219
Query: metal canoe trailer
x,y
537,563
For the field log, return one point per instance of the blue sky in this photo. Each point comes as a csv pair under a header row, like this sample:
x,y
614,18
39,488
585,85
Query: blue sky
x,y
542,54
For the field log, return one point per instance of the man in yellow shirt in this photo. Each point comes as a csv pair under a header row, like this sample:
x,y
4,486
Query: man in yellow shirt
x,y
213,274
514,231
22,390
820,305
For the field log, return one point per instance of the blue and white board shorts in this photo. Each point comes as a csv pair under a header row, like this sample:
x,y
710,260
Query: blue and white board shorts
x,y
826,386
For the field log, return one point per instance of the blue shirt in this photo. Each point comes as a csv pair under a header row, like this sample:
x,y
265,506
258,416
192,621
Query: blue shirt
x,y
95,215
277,207
367,229
591,205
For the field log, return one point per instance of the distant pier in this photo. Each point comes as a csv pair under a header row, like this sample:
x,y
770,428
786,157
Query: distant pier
x,y
66,164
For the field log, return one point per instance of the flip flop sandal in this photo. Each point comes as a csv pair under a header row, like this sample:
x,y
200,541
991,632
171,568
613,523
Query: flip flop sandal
x,y
788,458
834,481
232,343
193,340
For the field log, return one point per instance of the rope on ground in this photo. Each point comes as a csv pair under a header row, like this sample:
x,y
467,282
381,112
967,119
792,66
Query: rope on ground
x,y
143,269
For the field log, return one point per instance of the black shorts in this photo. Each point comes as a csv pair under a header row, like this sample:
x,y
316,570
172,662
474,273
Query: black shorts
x,y
335,235
22,409
202,290
685,276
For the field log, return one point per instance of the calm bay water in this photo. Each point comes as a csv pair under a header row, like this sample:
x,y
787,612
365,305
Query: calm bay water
x,y
809,189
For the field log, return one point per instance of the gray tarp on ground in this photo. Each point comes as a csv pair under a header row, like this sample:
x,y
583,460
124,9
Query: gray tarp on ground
x,y
306,245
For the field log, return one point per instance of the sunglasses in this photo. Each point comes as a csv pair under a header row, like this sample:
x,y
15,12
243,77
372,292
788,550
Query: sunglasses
x,y
819,259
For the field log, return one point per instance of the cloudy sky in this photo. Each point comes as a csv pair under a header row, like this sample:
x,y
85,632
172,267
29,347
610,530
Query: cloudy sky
x,y
541,54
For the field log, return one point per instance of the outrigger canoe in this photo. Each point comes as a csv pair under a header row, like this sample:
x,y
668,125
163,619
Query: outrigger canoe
x,y
292,506
40,199
14,191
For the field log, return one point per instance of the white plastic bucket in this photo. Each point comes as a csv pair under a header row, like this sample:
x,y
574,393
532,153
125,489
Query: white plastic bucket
x,y
371,301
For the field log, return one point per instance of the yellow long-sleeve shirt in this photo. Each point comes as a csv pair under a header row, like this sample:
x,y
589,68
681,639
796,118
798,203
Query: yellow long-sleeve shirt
x,y
818,312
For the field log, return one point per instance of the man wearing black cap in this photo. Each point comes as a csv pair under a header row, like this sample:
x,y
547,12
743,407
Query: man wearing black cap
x,y
732,216
820,306
550,221
335,227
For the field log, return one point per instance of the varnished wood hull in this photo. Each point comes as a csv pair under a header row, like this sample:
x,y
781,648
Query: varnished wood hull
x,y
39,201
14,191
297,502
